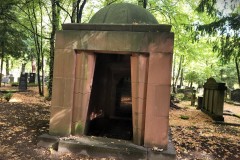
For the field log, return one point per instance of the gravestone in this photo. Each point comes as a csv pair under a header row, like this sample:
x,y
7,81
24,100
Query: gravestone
x,y
213,99
32,77
193,98
187,93
11,78
23,82
200,102
235,95
5,80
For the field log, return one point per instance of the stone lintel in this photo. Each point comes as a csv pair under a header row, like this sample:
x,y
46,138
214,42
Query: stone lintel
x,y
118,27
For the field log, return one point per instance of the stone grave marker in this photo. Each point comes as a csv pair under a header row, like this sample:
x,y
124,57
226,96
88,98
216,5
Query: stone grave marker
x,y
32,77
235,95
23,82
213,99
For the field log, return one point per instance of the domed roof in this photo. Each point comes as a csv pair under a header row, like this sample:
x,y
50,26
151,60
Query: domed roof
x,y
123,13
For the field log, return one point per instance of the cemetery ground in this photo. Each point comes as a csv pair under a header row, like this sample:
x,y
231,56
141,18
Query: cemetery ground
x,y
26,116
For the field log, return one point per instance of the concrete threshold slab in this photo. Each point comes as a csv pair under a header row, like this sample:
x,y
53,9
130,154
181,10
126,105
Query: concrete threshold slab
x,y
100,147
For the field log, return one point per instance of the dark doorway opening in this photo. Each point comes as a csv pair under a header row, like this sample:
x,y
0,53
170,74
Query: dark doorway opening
x,y
110,106
124,98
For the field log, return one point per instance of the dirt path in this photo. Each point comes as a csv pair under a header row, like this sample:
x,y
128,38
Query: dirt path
x,y
27,115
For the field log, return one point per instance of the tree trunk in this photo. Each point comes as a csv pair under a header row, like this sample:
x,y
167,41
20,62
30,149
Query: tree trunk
x,y
33,66
7,66
142,3
55,27
173,74
38,75
238,72
41,48
43,76
38,50
2,57
80,11
181,79
74,7
179,70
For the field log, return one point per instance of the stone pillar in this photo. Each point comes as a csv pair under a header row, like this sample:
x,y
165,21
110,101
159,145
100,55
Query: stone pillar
x,y
158,100
84,71
62,94
139,69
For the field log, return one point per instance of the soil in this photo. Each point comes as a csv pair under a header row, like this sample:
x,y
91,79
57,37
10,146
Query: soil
x,y
26,116
199,138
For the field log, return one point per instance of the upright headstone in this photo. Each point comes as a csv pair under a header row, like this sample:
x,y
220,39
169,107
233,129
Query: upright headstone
x,y
11,79
32,77
193,98
23,82
213,99
1,78
200,102
235,95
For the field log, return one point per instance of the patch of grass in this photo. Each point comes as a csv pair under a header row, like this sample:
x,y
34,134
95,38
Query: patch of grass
x,y
14,84
184,117
180,96
8,91
78,127
7,96
32,85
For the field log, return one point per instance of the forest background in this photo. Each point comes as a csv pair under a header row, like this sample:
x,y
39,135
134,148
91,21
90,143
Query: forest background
x,y
207,36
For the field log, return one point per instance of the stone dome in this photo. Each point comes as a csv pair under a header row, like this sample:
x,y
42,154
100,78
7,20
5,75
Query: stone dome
x,y
123,13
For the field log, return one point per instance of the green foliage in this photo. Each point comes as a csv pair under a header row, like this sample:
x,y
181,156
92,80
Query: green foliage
x,y
227,74
225,26
192,76
14,84
32,84
25,27
207,6
179,96
78,128
184,117
8,96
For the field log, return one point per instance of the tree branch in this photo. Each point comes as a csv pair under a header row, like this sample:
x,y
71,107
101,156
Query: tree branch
x,y
24,26
57,3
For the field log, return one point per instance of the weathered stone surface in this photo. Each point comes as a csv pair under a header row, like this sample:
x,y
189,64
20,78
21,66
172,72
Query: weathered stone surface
x,y
235,95
160,67
116,41
169,154
77,94
156,129
106,147
103,147
123,13
118,27
48,141
61,121
23,81
213,99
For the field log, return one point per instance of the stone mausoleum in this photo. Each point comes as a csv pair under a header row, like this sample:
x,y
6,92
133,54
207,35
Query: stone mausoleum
x,y
112,77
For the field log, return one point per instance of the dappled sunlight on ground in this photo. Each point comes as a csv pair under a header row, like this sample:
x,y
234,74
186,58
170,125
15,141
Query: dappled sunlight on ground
x,y
27,116
199,138
15,100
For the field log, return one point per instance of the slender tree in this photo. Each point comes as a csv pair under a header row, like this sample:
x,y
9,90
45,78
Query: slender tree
x,y
225,26
11,37
55,26
143,3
